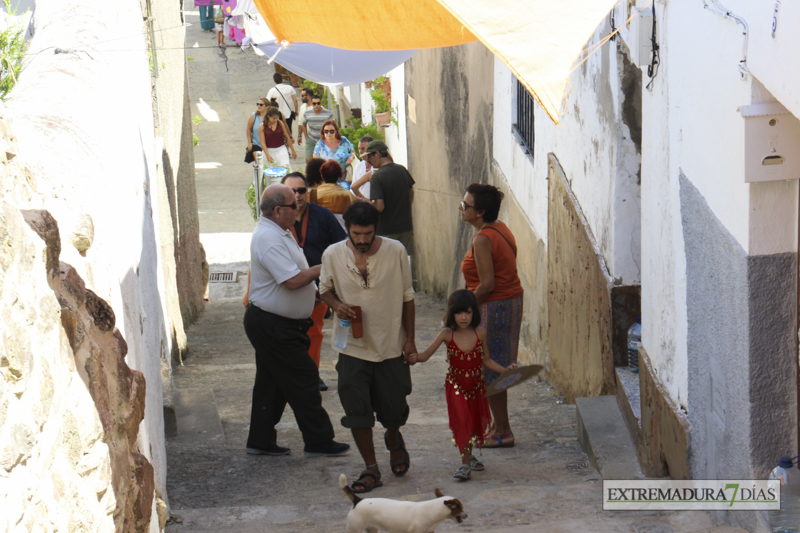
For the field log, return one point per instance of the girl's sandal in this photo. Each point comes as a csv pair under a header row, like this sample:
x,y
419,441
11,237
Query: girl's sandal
x,y
475,464
463,473
500,441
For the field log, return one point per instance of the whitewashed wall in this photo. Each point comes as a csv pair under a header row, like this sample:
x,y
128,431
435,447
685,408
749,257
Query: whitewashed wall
x,y
395,134
99,162
595,150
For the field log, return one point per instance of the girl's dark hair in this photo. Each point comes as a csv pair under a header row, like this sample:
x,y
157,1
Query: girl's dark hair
x,y
461,301
487,198
313,177
273,112
331,171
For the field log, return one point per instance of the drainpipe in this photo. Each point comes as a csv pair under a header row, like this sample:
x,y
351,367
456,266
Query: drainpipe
x,y
720,10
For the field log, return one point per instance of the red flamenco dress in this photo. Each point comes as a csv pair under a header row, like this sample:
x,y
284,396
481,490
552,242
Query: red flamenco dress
x,y
467,405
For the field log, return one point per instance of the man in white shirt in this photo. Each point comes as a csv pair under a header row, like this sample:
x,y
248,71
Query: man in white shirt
x,y
374,378
363,171
283,93
305,97
281,300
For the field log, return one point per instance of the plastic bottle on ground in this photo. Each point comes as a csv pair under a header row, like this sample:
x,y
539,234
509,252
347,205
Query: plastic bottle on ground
x,y
342,334
634,342
787,520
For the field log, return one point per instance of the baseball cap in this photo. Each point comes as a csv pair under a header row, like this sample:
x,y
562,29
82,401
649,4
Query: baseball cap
x,y
376,146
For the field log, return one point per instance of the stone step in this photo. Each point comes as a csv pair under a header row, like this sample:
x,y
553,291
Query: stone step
x,y
629,400
197,417
605,437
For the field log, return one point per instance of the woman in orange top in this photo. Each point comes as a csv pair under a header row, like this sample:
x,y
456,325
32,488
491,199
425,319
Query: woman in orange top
x,y
330,194
490,270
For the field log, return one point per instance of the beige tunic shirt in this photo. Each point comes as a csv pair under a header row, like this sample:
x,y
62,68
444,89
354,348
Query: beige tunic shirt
x,y
381,296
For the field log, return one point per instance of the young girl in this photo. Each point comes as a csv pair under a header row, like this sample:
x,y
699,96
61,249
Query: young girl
x,y
467,406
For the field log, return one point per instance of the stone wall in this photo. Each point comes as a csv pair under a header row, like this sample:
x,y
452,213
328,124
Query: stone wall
x,y
579,304
108,145
70,406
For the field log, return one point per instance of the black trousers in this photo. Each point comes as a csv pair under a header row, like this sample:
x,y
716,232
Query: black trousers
x,y
284,373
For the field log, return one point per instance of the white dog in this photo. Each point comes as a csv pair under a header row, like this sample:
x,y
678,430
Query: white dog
x,y
394,516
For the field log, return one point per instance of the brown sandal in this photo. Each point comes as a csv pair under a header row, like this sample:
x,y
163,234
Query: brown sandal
x,y
363,485
405,461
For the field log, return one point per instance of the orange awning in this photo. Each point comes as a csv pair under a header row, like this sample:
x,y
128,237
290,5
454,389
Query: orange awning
x,y
539,40
358,25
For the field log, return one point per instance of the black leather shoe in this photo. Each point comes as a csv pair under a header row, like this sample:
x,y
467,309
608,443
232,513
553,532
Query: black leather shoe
x,y
332,449
272,450
322,386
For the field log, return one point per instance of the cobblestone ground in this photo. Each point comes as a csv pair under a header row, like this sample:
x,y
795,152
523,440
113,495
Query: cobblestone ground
x,y
543,484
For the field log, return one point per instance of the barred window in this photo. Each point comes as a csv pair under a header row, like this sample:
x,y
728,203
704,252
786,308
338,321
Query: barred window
x,y
523,127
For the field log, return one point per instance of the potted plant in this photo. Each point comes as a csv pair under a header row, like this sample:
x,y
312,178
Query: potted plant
x,y
383,102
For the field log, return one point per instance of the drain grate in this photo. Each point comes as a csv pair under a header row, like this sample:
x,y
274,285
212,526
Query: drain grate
x,y
223,277
576,466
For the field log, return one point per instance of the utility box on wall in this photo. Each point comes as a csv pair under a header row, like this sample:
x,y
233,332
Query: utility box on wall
x,y
771,143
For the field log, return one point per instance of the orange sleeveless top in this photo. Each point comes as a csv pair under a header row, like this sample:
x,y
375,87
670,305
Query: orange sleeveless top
x,y
504,260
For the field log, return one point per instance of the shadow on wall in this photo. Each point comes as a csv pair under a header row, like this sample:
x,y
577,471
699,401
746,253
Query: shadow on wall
x,y
117,390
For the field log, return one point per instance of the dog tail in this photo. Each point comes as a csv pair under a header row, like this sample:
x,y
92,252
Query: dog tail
x,y
347,490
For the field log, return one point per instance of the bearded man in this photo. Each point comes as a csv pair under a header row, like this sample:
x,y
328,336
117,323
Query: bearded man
x,y
374,378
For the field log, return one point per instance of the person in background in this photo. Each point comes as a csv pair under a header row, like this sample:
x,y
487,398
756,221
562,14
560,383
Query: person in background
x,y
253,124
305,97
363,171
219,25
392,192
490,270
275,138
313,119
279,306
330,194
315,228
333,145
283,93
314,178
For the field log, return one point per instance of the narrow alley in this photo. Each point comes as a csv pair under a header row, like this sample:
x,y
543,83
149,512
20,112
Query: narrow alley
x,y
545,483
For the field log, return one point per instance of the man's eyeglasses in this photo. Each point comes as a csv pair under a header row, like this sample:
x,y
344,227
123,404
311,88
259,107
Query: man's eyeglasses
x,y
300,190
329,131
292,205
367,156
316,103
464,206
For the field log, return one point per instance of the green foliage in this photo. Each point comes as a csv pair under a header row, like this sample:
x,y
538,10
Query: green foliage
x,y
355,130
381,99
12,49
196,121
319,90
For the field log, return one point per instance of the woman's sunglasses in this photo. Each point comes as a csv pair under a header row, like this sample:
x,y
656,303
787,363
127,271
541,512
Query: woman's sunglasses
x,y
329,131
465,205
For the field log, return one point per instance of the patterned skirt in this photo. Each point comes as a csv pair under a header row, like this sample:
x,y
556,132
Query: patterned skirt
x,y
502,320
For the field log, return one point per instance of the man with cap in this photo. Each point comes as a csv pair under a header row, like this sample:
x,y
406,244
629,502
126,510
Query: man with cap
x,y
391,192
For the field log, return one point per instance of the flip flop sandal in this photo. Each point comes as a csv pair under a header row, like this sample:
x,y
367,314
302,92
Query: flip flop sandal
x,y
361,486
475,464
463,473
405,461
496,441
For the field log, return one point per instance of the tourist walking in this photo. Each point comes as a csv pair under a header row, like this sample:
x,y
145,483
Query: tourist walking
x,y
275,138
283,94
252,130
490,270
362,172
281,300
333,146
372,273
312,120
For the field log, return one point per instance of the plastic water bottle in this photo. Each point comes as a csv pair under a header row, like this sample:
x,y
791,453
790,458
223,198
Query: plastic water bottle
x,y
341,335
787,520
634,342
